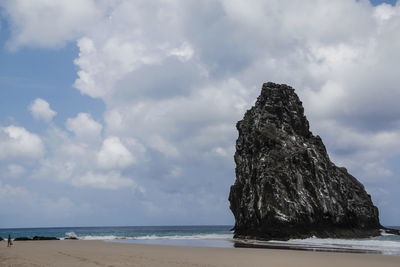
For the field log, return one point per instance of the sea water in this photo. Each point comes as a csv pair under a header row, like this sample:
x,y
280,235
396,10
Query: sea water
x,y
210,236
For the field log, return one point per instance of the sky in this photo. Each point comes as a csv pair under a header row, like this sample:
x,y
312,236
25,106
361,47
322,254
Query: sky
x,y
118,113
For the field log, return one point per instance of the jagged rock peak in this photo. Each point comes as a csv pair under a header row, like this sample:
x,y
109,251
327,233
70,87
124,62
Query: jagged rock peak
x,y
286,186
284,108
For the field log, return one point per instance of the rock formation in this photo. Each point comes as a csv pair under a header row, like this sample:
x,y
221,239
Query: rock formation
x,y
286,186
23,238
45,238
35,238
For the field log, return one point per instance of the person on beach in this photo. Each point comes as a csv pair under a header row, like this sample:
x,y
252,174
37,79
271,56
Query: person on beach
x,y
9,244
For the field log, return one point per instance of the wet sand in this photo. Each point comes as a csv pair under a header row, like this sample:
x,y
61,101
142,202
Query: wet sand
x,y
100,253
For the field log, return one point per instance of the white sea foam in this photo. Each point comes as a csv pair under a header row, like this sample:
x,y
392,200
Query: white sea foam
x,y
71,235
370,244
157,237
199,236
384,233
386,244
101,237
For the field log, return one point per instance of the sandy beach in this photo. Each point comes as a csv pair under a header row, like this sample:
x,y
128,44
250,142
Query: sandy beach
x,y
100,253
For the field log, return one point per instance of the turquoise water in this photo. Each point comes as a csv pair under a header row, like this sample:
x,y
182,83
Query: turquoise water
x,y
126,232
209,236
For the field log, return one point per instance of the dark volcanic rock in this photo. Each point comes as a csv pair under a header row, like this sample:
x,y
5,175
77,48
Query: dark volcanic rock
x,y
45,238
71,238
286,186
35,238
24,238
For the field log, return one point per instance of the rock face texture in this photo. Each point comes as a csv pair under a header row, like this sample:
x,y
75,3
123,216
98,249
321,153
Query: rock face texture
x,y
286,186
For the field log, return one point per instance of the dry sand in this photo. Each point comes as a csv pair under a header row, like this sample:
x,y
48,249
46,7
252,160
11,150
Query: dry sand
x,y
100,253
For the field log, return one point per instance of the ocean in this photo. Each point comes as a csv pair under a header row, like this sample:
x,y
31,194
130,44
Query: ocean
x,y
210,236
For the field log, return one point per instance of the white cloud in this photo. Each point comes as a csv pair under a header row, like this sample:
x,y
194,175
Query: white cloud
x,y
186,125
110,180
41,110
114,154
329,98
384,12
129,39
17,143
84,127
160,144
184,53
46,23
102,66
82,163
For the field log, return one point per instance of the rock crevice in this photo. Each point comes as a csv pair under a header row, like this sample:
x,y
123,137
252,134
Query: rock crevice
x,y
286,186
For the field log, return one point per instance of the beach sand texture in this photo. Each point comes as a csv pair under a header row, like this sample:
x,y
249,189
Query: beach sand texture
x,y
100,253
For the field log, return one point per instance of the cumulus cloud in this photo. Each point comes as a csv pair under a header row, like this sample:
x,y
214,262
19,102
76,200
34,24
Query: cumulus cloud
x,y
41,110
384,12
17,143
80,162
84,127
186,125
114,154
49,23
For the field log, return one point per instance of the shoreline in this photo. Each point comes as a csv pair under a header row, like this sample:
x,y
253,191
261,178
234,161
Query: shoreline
x,y
101,253
306,247
255,244
326,245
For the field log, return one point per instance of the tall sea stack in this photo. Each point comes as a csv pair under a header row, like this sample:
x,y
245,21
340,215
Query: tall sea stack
x,y
286,186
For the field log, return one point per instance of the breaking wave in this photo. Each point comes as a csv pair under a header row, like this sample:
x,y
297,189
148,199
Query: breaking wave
x,y
159,237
